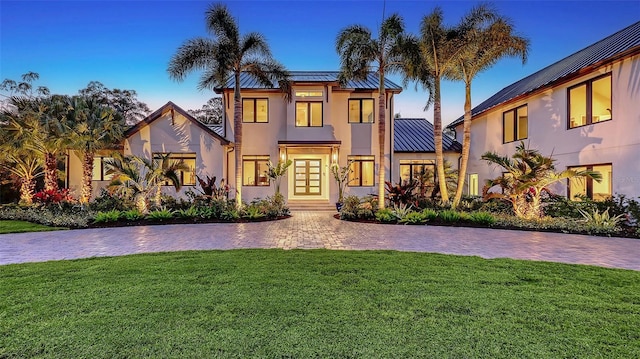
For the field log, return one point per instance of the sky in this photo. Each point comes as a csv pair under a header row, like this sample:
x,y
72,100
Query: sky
x,y
128,44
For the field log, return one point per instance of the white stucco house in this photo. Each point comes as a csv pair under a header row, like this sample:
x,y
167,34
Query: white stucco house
x,y
584,110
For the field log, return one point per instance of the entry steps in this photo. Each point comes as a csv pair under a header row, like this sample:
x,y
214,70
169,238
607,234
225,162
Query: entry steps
x,y
311,205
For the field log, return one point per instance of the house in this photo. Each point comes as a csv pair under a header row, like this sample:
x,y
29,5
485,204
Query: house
x,y
584,110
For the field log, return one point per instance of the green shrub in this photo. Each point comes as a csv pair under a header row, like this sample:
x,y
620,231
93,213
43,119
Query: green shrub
x,y
556,224
414,218
350,208
160,215
106,201
450,216
109,216
385,215
191,212
601,219
131,215
429,214
483,218
401,211
273,206
252,212
65,216
497,206
230,214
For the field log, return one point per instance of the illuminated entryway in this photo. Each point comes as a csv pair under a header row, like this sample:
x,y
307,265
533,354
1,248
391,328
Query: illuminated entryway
x,y
308,178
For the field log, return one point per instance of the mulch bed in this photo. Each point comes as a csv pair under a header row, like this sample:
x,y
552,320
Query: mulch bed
x,y
149,222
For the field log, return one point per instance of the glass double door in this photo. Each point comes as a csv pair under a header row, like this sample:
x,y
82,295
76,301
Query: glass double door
x,y
308,177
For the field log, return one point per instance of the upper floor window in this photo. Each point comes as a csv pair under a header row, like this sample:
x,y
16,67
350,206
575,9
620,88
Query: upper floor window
x,y
515,124
308,93
362,172
254,170
361,110
187,177
597,191
255,110
100,169
589,102
308,114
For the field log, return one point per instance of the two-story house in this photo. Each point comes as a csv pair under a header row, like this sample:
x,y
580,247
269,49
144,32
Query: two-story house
x,y
583,110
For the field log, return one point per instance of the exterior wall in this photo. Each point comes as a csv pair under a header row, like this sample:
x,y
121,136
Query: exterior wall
x,y
616,141
75,172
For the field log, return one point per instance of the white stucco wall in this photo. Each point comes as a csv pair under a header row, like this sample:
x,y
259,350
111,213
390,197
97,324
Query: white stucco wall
x,y
616,141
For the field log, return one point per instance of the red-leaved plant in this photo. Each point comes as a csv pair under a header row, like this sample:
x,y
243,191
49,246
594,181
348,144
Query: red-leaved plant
x,y
52,196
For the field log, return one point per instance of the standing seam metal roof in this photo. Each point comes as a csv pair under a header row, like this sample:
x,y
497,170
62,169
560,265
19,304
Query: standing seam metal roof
x,y
416,135
622,41
370,83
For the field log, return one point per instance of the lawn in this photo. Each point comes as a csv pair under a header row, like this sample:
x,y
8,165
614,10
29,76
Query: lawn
x,y
22,226
316,303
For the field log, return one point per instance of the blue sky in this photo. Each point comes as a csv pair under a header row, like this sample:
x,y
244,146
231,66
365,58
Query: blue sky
x,y
128,44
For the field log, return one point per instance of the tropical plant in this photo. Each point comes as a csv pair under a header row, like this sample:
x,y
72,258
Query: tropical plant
x,y
276,172
414,218
402,210
131,215
483,218
142,178
528,175
358,50
486,38
190,212
601,219
451,179
252,212
210,189
108,216
94,127
341,176
228,54
401,192
125,103
385,215
24,164
159,214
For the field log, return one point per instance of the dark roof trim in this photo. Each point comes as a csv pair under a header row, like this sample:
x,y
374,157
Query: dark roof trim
x,y
309,143
158,113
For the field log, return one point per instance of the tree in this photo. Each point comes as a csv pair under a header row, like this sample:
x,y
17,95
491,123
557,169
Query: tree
x,y
226,55
276,172
18,160
210,113
528,174
124,102
94,127
487,37
24,88
143,178
358,50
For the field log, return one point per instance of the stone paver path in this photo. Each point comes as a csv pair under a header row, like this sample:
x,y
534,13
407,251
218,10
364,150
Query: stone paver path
x,y
320,230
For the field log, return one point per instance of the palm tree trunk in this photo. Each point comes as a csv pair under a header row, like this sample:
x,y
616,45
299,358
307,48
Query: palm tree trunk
x,y
50,172
466,145
140,200
87,174
27,189
237,138
381,141
437,138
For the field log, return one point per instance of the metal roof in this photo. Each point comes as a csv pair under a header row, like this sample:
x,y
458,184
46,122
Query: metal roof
x,y
622,42
370,83
216,127
416,135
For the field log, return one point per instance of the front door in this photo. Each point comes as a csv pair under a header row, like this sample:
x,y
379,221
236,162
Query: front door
x,y
307,172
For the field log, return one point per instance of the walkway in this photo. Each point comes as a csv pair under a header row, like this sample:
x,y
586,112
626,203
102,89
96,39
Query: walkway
x,y
320,230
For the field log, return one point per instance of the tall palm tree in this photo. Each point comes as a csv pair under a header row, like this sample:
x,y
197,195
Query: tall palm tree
x,y
487,37
358,50
228,54
94,127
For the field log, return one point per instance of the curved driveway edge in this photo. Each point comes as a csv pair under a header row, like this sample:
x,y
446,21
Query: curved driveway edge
x,y
309,230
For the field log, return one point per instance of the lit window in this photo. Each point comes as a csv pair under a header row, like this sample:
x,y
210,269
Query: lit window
x,y
308,93
255,110
188,177
418,170
361,110
587,187
589,102
254,170
100,169
308,114
515,124
362,172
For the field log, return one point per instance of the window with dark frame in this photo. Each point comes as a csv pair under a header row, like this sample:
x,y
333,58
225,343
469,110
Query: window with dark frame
x,y
362,171
515,124
587,187
415,169
589,102
361,110
255,110
100,169
254,171
187,178
308,114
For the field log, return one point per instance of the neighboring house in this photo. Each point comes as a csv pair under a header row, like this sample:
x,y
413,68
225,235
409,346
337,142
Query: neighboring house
x,y
583,110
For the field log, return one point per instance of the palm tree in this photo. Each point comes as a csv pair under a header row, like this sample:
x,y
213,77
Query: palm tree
x,y
228,54
143,178
94,127
528,174
358,51
19,160
487,38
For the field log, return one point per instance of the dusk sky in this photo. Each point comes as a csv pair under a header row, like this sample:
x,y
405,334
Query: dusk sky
x,y
128,44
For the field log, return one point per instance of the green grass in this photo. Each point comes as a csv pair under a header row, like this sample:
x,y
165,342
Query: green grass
x,y
8,226
316,304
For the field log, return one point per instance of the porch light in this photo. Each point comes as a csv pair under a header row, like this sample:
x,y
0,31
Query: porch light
x,y
283,153
334,155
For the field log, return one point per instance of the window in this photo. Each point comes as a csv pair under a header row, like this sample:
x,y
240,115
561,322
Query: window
x,y
361,110
188,177
100,169
581,186
255,110
473,184
417,169
589,102
515,124
308,93
362,173
308,114
254,170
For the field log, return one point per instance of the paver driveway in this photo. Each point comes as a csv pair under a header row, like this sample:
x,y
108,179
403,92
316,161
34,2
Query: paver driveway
x,y
320,230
